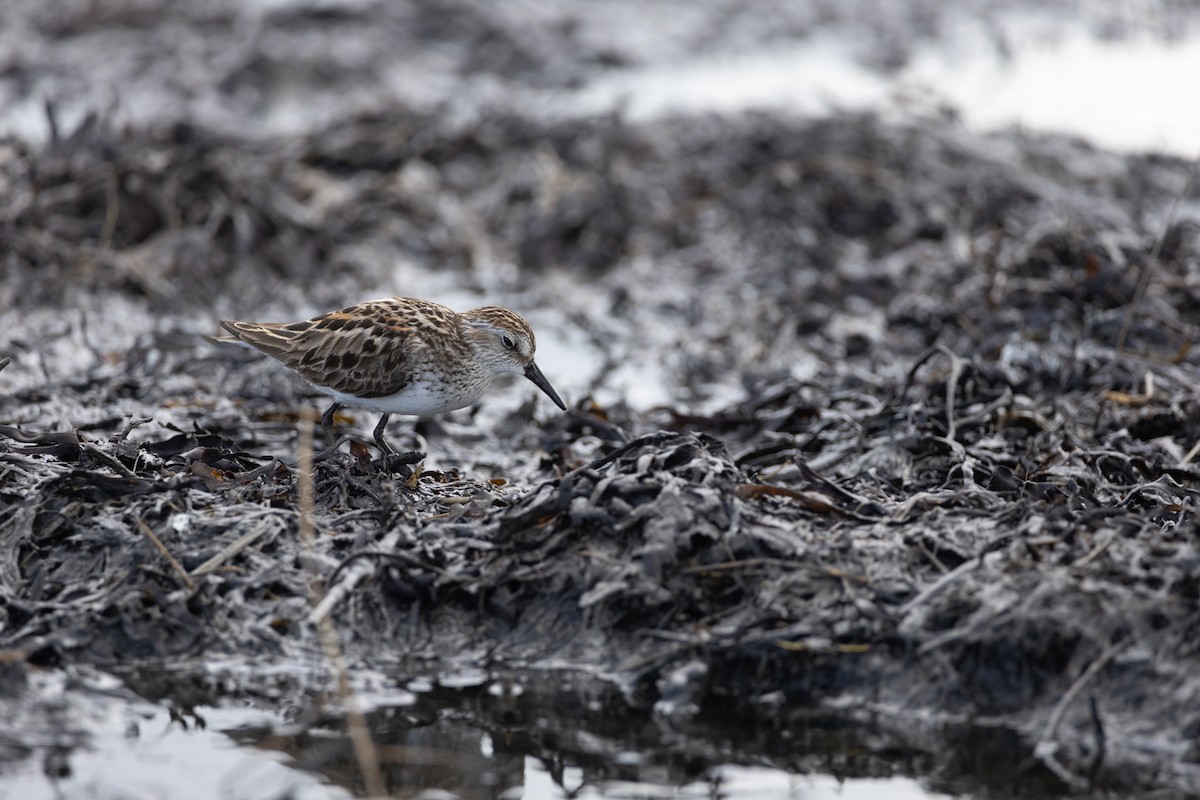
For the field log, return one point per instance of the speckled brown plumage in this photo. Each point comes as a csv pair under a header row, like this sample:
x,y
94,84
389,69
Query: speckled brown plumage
x,y
399,354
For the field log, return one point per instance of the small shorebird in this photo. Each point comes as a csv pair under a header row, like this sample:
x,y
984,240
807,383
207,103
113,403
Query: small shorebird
x,y
399,355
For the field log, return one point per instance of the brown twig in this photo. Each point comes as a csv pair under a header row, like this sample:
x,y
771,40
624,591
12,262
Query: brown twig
x,y
109,461
1088,674
228,553
356,723
162,548
1195,451
956,371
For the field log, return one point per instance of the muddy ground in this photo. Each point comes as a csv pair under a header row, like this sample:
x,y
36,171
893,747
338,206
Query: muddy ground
x,y
889,418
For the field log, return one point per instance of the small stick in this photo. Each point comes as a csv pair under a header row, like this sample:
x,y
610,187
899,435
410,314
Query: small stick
x,y
354,575
956,371
1061,709
356,722
162,548
1148,270
1191,454
938,586
1097,550
1097,726
109,461
228,553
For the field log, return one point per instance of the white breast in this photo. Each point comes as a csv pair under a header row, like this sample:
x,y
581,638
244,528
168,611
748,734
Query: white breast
x,y
418,398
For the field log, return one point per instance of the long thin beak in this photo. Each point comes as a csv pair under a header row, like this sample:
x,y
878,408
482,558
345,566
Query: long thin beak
x,y
539,380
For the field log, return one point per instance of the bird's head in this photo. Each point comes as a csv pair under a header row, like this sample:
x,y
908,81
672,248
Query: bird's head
x,y
504,342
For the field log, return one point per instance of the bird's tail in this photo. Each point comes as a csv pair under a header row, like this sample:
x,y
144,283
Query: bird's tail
x,y
266,337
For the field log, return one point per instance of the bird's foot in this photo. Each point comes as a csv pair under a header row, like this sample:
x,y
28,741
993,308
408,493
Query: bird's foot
x,y
399,463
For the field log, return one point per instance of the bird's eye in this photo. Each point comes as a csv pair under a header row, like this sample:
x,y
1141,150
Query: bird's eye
x,y
508,342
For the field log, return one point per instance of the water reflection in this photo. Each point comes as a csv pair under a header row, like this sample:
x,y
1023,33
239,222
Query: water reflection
x,y
534,736
455,757
728,782
585,741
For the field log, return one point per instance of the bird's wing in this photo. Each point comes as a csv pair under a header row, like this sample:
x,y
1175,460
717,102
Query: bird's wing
x,y
349,351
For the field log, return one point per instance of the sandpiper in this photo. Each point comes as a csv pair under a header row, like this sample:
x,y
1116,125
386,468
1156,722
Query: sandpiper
x,y
399,355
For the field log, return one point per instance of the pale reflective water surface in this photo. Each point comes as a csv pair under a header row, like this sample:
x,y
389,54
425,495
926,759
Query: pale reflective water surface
x,y
483,740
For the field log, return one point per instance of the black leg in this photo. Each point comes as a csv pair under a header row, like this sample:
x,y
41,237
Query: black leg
x,y
327,420
381,442
390,460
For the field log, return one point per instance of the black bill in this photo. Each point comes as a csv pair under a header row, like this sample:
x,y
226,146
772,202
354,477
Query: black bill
x,y
539,380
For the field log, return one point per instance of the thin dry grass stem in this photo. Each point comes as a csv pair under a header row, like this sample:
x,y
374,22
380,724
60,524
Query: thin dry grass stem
x,y
353,574
1195,451
111,462
1093,669
1148,271
217,561
356,723
1095,551
986,561
1047,748
162,548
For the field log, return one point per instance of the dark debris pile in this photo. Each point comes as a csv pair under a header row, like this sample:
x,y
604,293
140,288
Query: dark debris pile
x,y
957,477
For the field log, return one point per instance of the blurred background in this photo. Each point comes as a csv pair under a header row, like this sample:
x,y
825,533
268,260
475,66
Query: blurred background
x,y
1114,73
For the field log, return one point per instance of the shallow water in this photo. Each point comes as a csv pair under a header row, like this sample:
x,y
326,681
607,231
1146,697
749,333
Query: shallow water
x,y
473,741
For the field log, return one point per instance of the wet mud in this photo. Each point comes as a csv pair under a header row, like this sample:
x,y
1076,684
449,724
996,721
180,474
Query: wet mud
x,y
925,455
